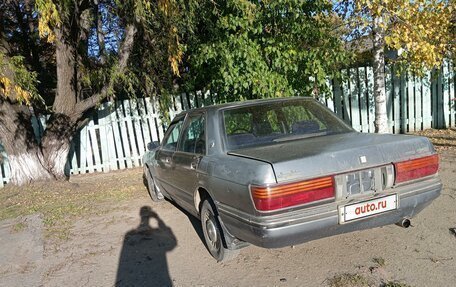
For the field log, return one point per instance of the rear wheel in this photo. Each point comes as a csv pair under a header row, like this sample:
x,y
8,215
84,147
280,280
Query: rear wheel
x,y
154,193
213,233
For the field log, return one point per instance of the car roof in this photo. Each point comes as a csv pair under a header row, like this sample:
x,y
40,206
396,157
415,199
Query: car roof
x,y
243,104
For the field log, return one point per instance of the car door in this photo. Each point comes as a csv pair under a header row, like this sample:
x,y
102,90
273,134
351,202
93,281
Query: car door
x,y
164,157
191,148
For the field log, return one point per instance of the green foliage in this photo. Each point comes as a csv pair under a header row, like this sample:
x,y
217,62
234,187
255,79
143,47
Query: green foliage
x,y
420,30
48,20
16,81
157,50
259,49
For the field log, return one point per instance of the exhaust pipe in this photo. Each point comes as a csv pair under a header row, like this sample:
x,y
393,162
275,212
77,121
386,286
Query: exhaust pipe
x,y
404,223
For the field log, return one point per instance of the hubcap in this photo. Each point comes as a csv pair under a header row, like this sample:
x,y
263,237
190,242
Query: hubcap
x,y
211,231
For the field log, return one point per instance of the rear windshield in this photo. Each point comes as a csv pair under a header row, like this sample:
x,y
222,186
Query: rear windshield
x,y
269,123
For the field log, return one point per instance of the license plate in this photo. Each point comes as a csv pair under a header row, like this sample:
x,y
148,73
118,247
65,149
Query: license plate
x,y
367,208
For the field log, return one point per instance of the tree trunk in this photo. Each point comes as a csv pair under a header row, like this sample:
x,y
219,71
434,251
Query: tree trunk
x,y
66,94
26,167
18,139
381,119
29,160
55,145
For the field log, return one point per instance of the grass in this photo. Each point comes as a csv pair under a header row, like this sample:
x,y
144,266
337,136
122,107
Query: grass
x,y
60,203
348,280
379,261
18,227
395,284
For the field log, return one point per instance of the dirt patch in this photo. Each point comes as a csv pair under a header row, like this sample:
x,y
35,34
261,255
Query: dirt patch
x,y
22,249
118,237
60,203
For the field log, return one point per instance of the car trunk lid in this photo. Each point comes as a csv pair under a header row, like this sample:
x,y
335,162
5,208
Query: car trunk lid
x,y
333,154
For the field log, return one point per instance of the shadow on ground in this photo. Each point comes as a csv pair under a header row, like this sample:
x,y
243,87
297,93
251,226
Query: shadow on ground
x,y
143,259
196,223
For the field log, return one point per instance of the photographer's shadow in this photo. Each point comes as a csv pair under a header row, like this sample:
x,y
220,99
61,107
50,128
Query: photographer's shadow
x,y
143,258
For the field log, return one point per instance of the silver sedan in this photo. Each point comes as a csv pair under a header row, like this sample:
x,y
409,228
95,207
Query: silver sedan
x,y
280,172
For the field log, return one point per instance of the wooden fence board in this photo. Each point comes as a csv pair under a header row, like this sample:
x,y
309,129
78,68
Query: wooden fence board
x,y
446,95
452,92
410,103
396,90
364,99
83,150
184,102
144,123
105,137
418,105
149,124
125,134
4,168
121,155
389,98
403,103
159,126
328,97
199,99
94,140
337,92
354,93
370,89
85,153
133,136
439,96
138,109
346,115
89,149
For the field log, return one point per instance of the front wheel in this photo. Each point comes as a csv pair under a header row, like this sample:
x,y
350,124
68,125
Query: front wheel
x,y
154,193
213,233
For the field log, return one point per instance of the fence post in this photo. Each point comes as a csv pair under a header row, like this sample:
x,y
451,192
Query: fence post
x,y
446,96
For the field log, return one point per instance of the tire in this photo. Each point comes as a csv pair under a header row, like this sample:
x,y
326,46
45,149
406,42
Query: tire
x,y
154,193
213,233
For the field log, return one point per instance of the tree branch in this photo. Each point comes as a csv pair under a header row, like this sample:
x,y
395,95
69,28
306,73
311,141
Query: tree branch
x,y
124,54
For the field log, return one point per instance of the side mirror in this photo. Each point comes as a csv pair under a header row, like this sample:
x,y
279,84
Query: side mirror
x,y
152,145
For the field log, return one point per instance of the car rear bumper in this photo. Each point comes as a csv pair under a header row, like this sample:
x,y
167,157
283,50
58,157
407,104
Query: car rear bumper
x,y
273,231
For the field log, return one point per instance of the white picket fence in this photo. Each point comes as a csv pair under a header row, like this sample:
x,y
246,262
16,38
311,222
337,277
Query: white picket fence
x,y
413,103
117,135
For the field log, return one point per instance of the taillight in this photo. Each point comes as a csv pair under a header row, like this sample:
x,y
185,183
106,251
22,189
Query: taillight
x,y
416,168
285,195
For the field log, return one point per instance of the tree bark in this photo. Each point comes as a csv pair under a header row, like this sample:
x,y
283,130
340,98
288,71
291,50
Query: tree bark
x,y
30,160
18,139
55,145
381,119
66,94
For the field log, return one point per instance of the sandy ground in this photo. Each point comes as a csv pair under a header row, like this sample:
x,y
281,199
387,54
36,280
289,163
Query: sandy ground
x,y
141,243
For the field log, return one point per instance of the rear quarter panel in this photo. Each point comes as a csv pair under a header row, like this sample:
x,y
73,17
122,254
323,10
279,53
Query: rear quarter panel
x,y
228,179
